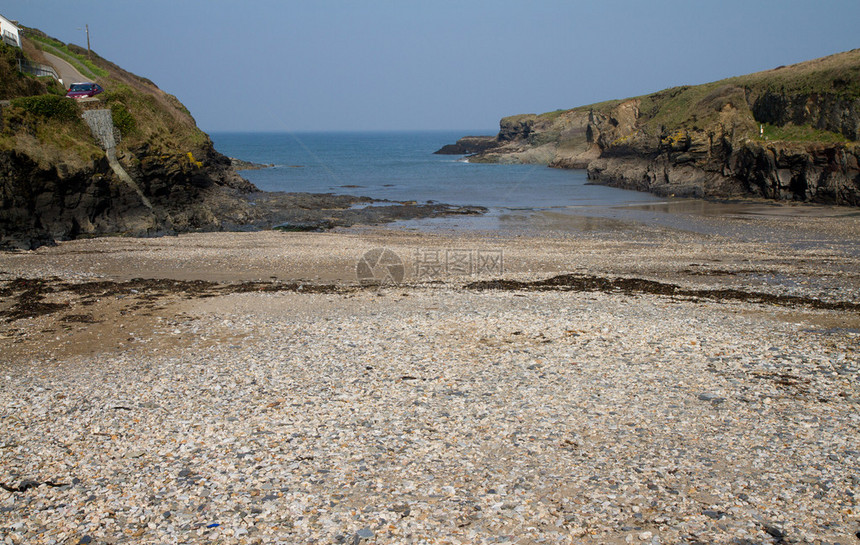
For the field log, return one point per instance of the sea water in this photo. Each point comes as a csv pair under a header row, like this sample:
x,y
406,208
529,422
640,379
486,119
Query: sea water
x,y
401,166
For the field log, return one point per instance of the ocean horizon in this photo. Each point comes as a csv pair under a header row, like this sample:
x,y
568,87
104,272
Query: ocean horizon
x,y
401,166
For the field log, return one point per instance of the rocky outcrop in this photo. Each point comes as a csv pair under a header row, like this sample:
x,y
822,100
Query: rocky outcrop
x,y
133,162
787,134
716,165
469,145
239,164
42,203
826,111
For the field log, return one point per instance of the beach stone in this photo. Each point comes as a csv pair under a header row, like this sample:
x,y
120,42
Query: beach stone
x,y
774,531
713,398
607,439
362,535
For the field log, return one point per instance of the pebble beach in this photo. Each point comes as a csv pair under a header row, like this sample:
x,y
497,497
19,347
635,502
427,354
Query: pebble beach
x,y
669,386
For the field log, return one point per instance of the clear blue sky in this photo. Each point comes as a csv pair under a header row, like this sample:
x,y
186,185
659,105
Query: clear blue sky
x,y
392,65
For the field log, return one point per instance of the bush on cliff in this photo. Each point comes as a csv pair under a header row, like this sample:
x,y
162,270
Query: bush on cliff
x,y
49,107
123,120
49,129
13,83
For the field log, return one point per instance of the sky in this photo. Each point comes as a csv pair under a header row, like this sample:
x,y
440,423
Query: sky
x,y
327,65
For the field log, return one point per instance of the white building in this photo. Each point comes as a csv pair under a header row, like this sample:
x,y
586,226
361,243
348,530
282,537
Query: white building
x,y
9,32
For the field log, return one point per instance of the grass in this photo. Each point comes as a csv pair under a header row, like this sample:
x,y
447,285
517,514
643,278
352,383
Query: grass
x,y
14,83
551,116
800,133
837,75
726,104
48,129
48,106
142,118
80,62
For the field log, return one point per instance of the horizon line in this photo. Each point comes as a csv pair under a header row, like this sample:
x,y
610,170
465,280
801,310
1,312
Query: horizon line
x,y
348,131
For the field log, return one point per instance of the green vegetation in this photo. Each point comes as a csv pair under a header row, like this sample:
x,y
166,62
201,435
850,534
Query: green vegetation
x,y
80,62
49,129
801,133
146,117
52,86
43,123
697,108
49,107
729,103
551,116
13,83
123,120
837,75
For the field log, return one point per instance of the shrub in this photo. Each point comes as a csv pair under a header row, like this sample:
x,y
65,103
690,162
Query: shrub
x,y
48,107
122,118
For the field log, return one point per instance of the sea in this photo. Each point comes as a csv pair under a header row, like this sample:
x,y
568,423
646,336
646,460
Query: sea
x,y
401,166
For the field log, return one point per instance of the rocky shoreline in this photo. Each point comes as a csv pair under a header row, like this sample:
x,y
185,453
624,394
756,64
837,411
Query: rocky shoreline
x,y
788,134
171,196
239,164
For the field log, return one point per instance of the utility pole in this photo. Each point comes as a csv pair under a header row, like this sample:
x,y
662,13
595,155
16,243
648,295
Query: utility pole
x,y
88,40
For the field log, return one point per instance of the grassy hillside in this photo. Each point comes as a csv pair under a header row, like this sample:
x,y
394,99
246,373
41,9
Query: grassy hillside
x,y
147,117
14,83
746,102
791,133
57,183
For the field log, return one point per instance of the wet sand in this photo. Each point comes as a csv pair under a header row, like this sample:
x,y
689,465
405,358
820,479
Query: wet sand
x,y
809,253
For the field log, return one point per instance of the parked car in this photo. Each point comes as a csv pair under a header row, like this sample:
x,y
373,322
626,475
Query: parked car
x,y
84,90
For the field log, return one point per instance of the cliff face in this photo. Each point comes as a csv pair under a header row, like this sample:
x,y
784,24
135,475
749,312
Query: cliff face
x,y
40,203
160,174
788,134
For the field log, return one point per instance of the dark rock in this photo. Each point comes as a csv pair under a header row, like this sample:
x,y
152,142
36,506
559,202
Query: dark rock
x,y
820,173
775,532
40,203
713,398
317,225
27,485
239,164
518,127
830,112
469,145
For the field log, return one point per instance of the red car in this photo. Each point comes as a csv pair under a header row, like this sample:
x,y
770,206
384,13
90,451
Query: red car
x,y
84,90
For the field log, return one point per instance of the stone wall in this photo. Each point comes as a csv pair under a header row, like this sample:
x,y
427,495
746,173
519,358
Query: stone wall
x,y
101,123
